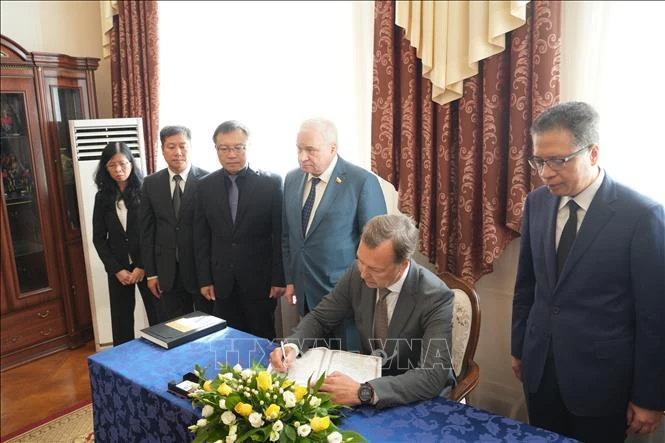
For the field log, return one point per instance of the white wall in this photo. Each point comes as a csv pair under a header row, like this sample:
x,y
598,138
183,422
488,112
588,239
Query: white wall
x,y
64,27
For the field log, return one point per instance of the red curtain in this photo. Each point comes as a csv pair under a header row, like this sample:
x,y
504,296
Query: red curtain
x,y
135,69
461,169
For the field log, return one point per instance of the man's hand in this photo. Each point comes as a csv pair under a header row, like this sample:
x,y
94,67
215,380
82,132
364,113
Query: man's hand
x,y
642,421
208,292
342,388
280,364
137,275
153,285
517,367
290,293
124,277
276,291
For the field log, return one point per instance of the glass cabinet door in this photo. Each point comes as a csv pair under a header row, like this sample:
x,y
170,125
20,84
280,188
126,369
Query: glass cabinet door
x,y
20,196
67,106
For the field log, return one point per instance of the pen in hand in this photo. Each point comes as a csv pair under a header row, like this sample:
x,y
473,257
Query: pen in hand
x,y
281,344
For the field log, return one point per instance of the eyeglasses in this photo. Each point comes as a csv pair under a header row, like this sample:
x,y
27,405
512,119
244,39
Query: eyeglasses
x,y
112,166
555,164
237,149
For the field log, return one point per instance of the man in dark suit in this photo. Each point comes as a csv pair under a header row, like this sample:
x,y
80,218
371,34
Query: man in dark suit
x,y
167,218
403,312
588,337
238,236
327,201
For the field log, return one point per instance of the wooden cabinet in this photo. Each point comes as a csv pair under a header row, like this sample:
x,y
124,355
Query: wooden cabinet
x,y
44,302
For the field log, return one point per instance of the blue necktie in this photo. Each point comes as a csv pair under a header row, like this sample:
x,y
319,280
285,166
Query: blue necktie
x,y
567,237
309,204
233,197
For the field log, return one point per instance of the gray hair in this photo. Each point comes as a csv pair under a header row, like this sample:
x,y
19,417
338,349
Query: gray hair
x,y
168,131
578,118
324,127
398,228
229,126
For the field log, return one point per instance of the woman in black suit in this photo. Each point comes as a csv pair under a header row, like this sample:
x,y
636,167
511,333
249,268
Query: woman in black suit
x,y
116,236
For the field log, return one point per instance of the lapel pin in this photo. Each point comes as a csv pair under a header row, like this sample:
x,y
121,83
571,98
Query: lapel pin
x,y
338,180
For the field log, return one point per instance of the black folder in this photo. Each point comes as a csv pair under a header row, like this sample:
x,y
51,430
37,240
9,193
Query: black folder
x,y
180,330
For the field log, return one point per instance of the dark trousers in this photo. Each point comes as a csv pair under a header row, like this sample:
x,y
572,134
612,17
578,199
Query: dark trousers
x,y
176,302
123,301
253,315
548,411
203,304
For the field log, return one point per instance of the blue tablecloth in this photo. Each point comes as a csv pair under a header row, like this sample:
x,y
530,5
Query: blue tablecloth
x,y
131,402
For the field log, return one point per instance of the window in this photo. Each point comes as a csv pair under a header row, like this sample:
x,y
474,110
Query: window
x,y
269,65
611,58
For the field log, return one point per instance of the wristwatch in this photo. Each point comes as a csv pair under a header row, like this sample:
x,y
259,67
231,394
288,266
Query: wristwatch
x,y
366,394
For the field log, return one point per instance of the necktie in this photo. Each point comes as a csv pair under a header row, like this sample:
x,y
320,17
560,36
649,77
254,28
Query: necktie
x,y
309,204
567,237
177,195
233,197
381,316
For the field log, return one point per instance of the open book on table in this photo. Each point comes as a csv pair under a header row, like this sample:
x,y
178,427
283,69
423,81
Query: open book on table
x,y
316,361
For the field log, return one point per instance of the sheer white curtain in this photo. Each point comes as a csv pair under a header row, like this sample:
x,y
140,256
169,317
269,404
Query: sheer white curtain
x,y
612,58
269,65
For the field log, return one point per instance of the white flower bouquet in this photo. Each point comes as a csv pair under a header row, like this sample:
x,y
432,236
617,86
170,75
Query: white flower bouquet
x,y
254,405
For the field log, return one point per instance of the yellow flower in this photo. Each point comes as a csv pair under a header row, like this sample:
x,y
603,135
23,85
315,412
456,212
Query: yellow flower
x,y
264,380
206,386
243,409
272,412
299,392
286,383
319,423
224,389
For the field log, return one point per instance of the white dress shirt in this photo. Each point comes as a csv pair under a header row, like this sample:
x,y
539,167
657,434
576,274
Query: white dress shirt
x,y
393,295
121,210
320,189
583,200
183,174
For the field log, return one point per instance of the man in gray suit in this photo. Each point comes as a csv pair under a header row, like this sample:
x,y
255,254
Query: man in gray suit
x,y
167,228
327,201
403,313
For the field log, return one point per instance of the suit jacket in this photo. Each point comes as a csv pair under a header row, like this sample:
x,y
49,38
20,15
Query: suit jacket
x,y
112,242
419,335
161,231
604,318
247,251
316,262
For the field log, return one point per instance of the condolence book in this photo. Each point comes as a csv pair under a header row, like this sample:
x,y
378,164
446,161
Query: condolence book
x,y
316,361
180,330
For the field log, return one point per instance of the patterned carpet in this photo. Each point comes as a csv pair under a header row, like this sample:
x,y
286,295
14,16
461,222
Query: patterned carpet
x,y
72,427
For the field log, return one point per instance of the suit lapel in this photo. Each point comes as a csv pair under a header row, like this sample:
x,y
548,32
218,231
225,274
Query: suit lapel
x,y
224,209
549,240
367,304
296,202
164,191
405,304
245,196
334,187
599,213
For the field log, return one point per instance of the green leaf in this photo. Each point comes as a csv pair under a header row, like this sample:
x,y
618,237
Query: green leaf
x,y
290,432
352,437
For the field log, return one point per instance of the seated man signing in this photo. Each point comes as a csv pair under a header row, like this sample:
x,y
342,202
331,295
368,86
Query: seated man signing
x,y
403,313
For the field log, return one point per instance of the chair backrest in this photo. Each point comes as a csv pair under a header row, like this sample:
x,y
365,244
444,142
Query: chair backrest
x,y
466,324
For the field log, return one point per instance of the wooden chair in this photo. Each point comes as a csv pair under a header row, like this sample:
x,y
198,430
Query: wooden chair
x,y
466,330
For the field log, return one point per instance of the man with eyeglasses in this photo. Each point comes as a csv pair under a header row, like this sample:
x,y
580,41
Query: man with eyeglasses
x,y
238,236
588,328
167,228
327,202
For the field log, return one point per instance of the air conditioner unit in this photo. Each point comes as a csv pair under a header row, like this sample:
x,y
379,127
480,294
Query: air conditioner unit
x,y
89,137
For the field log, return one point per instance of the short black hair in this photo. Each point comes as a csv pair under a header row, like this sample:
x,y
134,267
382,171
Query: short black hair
x,y
168,131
